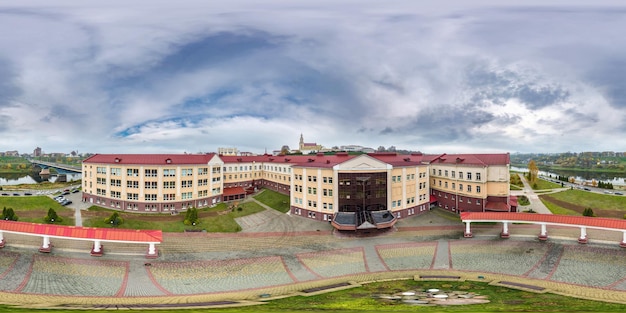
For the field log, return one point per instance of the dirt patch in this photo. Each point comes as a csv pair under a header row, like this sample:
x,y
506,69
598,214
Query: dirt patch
x,y
579,208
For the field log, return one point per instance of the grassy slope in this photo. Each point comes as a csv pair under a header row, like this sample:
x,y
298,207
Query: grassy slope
x,y
273,199
25,205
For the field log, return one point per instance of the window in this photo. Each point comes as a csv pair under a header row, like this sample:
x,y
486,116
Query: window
x,y
453,173
116,182
132,196
204,182
169,172
469,176
461,187
150,197
116,194
439,172
186,172
116,171
312,190
312,178
204,170
186,195
169,185
477,176
101,181
151,173
445,184
460,175
186,183
478,189
150,185
446,173
132,184
169,196
216,170
214,179
101,170
453,185
215,191
469,188
132,172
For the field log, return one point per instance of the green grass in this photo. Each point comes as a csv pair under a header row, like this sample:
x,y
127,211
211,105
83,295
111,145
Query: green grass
x,y
555,209
360,299
27,204
215,223
544,184
592,200
275,200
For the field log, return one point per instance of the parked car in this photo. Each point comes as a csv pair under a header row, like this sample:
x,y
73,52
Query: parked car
x,y
5,194
619,193
16,194
66,202
607,192
586,189
28,194
65,193
75,191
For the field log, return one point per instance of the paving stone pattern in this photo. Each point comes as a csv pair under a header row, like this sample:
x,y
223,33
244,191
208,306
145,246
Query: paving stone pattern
x,y
283,259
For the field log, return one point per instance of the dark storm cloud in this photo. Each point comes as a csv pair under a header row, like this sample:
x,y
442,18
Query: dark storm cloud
x,y
610,76
9,87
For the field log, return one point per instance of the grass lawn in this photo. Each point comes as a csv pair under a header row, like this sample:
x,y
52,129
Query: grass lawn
x,y
360,299
592,200
216,219
556,209
275,200
544,184
34,208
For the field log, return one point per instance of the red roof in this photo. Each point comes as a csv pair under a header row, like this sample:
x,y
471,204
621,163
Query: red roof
x,y
596,222
513,201
233,191
496,206
156,159
105,234
472,159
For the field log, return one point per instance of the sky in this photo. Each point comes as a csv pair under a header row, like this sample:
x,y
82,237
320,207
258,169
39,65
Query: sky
x,y
154,76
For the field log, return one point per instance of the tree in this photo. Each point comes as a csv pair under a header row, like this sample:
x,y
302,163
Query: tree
x,y
533,170
115,219
588,212
52,217
191,217
8,214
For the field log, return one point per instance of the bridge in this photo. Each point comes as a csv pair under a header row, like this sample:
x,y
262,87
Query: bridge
x,y
65,167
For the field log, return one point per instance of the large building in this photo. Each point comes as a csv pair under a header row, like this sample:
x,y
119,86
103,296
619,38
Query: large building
x,y
353,191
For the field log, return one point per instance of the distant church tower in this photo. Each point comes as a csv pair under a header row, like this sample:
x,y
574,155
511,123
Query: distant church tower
x,y
301,142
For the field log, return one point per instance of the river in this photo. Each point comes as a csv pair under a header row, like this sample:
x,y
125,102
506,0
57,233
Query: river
x,y
580,176
10,179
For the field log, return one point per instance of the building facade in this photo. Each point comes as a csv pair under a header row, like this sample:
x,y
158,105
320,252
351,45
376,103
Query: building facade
x,y
319,186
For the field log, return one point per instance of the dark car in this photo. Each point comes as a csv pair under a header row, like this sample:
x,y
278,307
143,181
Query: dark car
x,y
586,189
5,194
16,194
28,194
65,193
66,202
619,193
75,191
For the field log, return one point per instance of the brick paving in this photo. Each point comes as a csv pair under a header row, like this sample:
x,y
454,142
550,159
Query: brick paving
x,y
284,259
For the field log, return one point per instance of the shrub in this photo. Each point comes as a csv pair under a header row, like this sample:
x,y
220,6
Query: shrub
x,y
52,217
8,214
114,219
191,217
588,212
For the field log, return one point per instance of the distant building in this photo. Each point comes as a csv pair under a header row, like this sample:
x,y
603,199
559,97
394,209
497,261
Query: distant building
x,y
12,153
227,151
37,152
307,147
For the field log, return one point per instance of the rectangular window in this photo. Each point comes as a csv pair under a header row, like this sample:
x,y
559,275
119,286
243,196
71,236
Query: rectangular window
x,y
132,196
186,183
478,189
460,175
169,185
116,171
469,176
453,173
186,172
445,184
150,185
469,188
150,197
134,172
205,170
439,172
461,187
116,194
446,173
151,172
132,184
116,182
169,196
478,176
101,170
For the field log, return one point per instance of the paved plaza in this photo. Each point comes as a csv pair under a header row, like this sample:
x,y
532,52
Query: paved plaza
x,y
278,254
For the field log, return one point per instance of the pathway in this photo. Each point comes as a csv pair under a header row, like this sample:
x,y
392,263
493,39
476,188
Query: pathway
x,y
535,203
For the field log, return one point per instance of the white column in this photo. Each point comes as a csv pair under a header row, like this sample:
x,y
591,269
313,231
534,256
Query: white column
x,y
544,233
468,231
623,243
151,249
97,246
1,239
505,230
583,232
46,242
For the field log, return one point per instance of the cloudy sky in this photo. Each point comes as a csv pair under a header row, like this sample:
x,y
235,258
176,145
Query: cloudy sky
x,y
160,76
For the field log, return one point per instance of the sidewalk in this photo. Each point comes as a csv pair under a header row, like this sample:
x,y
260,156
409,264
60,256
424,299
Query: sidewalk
x,y
535,203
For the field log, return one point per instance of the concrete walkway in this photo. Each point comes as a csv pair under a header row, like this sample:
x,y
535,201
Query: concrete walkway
x,y
535,203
